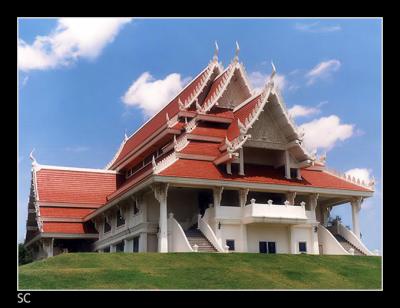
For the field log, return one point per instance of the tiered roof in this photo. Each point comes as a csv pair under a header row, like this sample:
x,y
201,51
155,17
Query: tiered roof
x,y
197,137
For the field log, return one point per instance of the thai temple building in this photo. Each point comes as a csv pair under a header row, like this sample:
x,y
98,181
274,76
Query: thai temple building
x,y
220,168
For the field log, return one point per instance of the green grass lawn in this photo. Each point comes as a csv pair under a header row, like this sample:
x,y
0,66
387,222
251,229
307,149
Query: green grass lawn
x,y
201,271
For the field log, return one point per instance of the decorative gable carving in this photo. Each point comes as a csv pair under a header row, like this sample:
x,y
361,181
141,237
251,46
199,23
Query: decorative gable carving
x,y
265,129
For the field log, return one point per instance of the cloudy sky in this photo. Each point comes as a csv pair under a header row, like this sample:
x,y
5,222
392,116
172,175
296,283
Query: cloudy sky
x,y
83,83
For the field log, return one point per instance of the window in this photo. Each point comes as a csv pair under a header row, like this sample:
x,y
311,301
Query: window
x,y
135,208
107,249
230,244
120,218
302,247
120,247
136,244
107,226
293,173
267,247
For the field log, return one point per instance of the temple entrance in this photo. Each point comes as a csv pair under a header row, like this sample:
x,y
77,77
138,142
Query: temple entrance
x,y
205,198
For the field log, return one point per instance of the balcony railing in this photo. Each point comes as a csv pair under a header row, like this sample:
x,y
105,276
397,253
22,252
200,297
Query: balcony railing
x,y
265,212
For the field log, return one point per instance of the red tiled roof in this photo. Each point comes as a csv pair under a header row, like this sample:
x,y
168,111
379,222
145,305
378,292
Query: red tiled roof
x,y
67,227
75,187
241,114
210,131
215,85
256,174
158,120
64,212
202,148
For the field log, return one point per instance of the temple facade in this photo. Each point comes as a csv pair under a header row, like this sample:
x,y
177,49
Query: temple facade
x,y
220,168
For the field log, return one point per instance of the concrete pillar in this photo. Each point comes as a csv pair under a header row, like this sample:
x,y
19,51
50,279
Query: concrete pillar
x,y
290,196
241,162
47,244
287,165
314,239
143,242
243,229
128,245
298,170
229,168
292,245
217,196
312,202
113,248
355,210
160,193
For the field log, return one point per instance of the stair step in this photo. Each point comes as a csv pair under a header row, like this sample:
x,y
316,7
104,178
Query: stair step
x,y
196,237
346,245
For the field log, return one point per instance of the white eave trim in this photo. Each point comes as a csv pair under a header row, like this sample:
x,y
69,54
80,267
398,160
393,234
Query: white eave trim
x,y
260,186
49,167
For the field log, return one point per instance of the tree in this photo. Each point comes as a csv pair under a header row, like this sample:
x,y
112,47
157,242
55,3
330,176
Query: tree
x,y
24,255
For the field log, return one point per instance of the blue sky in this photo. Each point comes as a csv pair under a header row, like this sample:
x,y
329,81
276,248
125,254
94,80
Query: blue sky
x,y
82,84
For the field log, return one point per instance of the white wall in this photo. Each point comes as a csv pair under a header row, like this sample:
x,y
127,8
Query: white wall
x,y
302,234
152,243
231,232
273,233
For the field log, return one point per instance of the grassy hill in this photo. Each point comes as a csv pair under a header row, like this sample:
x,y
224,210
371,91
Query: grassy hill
x,y
201,271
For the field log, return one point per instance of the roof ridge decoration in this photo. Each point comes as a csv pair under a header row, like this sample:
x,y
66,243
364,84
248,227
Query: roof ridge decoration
x,y
226,77
199,88
215,58
164,163
118,152
351,179
35,168
181,144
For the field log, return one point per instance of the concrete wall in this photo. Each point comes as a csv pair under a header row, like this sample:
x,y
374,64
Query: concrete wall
x,y
302,234
231,232
272,233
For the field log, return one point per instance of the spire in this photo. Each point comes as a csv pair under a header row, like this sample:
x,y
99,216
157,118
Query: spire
x,y
125,136
273,73
237,52
33,159
215,58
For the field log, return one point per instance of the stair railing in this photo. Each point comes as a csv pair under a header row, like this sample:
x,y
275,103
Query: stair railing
x,y
205,228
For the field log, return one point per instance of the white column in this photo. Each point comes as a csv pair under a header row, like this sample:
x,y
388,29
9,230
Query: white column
x,y
298,170
292,244
160,193
48,244
312,202
243,229
229,168
128,245
290,196
217,195
314,239
241,162
113,248
143,242
287,165
355,210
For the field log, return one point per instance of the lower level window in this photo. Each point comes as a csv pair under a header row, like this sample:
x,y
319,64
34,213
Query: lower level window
x,y
107,249
136,244
230,244
267,247
302,247
120,247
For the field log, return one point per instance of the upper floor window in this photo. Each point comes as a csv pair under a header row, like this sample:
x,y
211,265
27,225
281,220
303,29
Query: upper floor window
x,y
107,226
120,218
135,208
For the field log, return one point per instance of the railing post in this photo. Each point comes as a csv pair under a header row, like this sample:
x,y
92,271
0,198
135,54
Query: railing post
x,y
198,221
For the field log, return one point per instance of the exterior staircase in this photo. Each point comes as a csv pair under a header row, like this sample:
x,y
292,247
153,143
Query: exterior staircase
x,y
346,245
195,237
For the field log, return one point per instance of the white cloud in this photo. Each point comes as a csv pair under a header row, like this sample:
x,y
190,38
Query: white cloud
x,y
258,81
73,38
363,174
151,95
316,27
322,70
302,111
325,132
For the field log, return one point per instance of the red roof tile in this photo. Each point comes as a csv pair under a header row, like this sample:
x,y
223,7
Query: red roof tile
x,y
63,212
210,131
67,227
202,148
75,187
256,174
158,120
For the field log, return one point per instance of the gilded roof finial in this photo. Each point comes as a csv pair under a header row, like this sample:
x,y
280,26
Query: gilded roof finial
x,y
33,159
